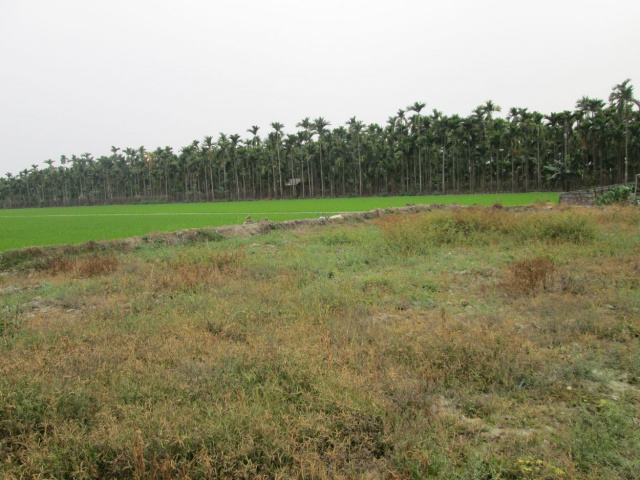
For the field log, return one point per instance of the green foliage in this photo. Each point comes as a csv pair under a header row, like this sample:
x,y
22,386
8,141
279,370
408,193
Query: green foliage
x,y
616,194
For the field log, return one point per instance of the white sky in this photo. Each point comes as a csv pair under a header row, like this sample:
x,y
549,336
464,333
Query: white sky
x,y
80,76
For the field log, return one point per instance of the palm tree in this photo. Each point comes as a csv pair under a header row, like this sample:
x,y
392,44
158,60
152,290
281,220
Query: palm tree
x,y
622,100
223,145
400,123
185,160
207,151
467,133
254,156
319,125
568,118
306,136
416,124
291,143
355,130
518,118
488,109
277,126
234,140
587,109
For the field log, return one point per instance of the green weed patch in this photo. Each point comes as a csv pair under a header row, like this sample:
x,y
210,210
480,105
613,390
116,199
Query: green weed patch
x,y
420,233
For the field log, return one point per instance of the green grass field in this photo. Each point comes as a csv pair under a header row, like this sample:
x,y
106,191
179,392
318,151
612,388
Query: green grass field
x,y
72,225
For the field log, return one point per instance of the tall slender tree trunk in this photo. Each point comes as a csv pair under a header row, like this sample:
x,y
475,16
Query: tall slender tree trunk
x,y
273,180
538,166
626,152
206,184
359,167
213,190
293,187
444,150
321,169
302,175
279,170
235,173
420,168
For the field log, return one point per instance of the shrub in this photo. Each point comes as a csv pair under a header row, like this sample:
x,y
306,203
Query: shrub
x,y
616,194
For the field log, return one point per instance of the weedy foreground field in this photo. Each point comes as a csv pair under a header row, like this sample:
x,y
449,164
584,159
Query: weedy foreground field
x,y
456,343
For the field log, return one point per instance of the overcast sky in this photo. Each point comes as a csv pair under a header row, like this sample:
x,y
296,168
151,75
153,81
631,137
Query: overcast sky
x,y
81,76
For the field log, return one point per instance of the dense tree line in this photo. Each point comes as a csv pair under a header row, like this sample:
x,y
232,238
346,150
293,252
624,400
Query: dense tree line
x,y
595,144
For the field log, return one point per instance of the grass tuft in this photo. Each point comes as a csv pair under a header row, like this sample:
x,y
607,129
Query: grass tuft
x,y
529,276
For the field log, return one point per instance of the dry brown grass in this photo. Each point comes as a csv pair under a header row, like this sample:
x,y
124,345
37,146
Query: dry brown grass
x,y
321,354
203,273
529,276
82,267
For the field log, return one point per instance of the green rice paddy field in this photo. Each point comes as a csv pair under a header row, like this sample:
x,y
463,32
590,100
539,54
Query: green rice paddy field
x,y
72,225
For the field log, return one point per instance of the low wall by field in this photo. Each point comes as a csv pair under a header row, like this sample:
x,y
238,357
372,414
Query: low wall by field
x,y
581,197
585,198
